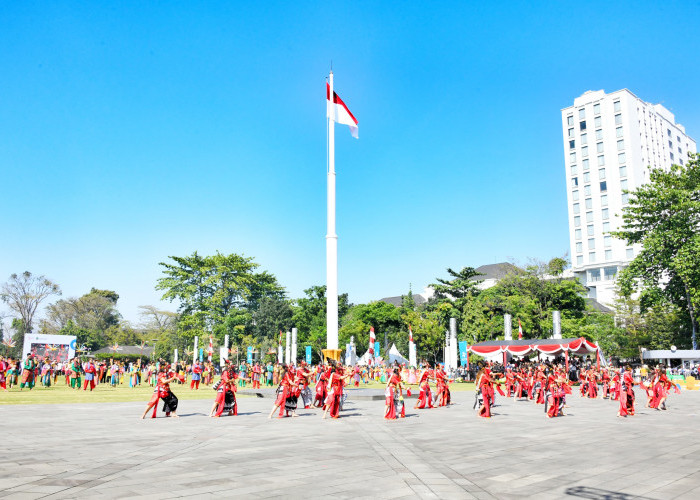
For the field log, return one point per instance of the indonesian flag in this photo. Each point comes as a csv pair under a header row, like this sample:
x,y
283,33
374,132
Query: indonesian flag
x,y
339,112
410,335
280,340
520,330
371,343
211,348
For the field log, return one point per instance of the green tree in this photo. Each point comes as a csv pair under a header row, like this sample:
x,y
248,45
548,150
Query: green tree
x,y
460,285
663,216
385,318
309,317
24,293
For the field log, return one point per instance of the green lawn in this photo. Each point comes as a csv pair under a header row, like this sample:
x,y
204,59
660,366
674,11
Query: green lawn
x,y
103,393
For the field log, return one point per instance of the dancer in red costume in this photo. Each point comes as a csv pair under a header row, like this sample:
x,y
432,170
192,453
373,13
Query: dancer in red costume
x,y
284,391
226,393
394,397
336,381
540,385
615,386
257,373
605,379
322,387
627,394
592,380
425,398
660,387
442,388
196,375
162,391
485,386
303,373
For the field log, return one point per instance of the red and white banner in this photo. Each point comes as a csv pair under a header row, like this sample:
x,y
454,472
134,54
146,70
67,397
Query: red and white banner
x,y
211,348
410,335
520,330
339,112
371,343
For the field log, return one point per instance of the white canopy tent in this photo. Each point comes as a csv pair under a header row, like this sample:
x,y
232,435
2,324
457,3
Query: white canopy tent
x,y
395,355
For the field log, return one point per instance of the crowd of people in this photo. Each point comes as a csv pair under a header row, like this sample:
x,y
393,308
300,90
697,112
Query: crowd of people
x,y
323,386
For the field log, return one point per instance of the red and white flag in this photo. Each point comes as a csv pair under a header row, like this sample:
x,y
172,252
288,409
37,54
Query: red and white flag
x,y
520,330
410,335
280,339
339,112
371,344
211,348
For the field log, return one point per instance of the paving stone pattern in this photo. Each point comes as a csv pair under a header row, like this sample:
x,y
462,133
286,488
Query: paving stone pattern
x,y
105,451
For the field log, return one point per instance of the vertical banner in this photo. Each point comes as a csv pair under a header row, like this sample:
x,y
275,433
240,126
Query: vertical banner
x,y
507,327
308,354
463,352
223,355
288,350
250,354
196,342
556,324
376,350
201,355
412,355
175,357
293,357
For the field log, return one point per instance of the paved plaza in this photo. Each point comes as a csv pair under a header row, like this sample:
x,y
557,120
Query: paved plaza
x,y
104,451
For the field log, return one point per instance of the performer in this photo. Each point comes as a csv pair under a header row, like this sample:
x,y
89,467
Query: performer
x,y
322,386
394,398
4,367
626,394
336,381
592,379
605,378
28,373
75,371
442,388
425,397
225,393
197,374
162,391
302,379
90,372
484,386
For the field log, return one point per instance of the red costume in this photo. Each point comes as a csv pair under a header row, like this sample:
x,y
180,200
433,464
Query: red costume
x,y
335,393
425,398
226,390
486,388
627,395
392,393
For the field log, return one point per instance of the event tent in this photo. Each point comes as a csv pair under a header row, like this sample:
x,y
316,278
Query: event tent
x,y
395,355
523,347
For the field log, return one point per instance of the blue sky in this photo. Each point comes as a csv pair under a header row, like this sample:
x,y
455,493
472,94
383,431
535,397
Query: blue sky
x,y
132,131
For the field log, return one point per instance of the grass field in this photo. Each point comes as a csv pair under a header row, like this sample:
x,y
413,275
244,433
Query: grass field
x,y
104,393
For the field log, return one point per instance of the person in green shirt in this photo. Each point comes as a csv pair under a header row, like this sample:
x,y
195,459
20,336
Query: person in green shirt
x,y
75,370
28,373
270,370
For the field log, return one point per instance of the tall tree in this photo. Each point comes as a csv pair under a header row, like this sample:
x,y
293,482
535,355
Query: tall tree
x,y
460,285
310,317
663,216
24,293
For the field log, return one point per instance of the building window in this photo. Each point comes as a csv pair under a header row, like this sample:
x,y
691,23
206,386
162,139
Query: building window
x,y
591,259
618,119
589,230
589,216
582,125
584,151
620,144
599,147
599,135
591,243
573,169
671,156
587,190
605,213
570,120
572,157
574,181
601,174
577,208
625,198
593,274
571,132
678,138
604,200
621,158
577,234
623,171
670,144
608,256
572,144
586,177
610,272
589,203
574,195
680,151
617,106
607,241
579,260
618,131
630,253
606,227
597,122
584,139
596,109
603,187
579,247
601,161
585,164
577,221
623,185
668,131
582,113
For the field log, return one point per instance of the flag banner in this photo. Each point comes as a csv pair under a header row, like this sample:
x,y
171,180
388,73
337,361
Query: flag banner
x,y
520,330
339,112
201,354
463,352
250,354
308,354
376,350
410,334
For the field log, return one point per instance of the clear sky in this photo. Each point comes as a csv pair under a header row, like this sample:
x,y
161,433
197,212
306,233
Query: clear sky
x,y
131,131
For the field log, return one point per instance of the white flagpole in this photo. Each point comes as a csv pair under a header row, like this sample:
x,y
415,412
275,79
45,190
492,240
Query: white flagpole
x,y
331,236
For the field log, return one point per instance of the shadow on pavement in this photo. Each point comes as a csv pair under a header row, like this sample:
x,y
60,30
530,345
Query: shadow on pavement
x,y
598,494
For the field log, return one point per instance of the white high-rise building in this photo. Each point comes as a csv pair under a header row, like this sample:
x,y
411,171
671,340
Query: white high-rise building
x,y
610,140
